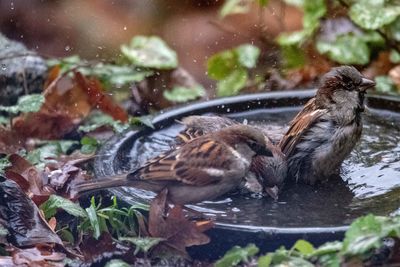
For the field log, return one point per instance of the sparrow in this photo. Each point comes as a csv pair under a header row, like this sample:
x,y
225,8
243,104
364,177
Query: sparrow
x,y
201,169
266,174
326,130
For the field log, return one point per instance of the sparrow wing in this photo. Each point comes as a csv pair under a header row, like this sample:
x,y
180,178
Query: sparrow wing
x,y
197,126
299,125
199,162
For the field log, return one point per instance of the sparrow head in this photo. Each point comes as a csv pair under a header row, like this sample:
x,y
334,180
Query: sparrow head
x,y
248,135
343,86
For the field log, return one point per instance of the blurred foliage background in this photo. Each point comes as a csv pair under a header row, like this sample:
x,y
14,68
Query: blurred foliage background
x,y
226,46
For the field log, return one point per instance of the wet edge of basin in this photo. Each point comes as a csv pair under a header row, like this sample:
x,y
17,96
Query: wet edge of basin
x,y
112,154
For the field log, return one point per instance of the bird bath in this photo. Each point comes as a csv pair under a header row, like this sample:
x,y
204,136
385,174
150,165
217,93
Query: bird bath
x,y
369,183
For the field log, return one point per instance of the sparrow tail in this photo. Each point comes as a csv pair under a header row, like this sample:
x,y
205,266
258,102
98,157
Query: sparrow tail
x,y
99,184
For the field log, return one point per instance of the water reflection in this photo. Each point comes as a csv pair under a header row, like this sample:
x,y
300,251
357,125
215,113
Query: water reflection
x,y
370,179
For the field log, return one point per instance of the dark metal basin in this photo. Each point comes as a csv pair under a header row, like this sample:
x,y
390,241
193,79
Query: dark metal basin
x,y
370,180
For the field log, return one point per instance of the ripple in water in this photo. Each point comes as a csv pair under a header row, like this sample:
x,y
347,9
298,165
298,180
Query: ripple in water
x,y
370,180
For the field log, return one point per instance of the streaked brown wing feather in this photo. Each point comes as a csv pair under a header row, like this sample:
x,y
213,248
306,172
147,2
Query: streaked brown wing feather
x,y
299,125
188,164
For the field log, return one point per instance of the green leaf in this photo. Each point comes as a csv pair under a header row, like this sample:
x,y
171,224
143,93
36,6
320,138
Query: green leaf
x,y
117,263
56,202
293,56
146,120
263,3
99,119
233,83
94,221
314,10
234,7
372,15
265,261
365,234
150,52
182,94
247,55
89,145
296,3
384,84
394,29
143,243
346,49
328,248
4,163
26,103
66,236
291,39
304,247
236,255
49,151
222,64
394,56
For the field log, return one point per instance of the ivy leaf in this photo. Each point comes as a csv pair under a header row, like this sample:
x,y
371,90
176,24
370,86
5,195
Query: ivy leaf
x,y
372,15
89,145
364,235
346,49
49,151
118,75
293,56
220,65
99,119
247,55
236,255
384,84
304,247
182,94
26,103
150,52
328,248
235,7
265,261
232,84
293,38
143,243
143,120
314,10
56,202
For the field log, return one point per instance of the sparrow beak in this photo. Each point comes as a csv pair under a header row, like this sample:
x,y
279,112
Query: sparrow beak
x,y
272,192
366,84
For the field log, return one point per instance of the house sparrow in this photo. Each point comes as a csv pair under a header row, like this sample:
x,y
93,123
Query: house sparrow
x,y
266,174
325,131
201,169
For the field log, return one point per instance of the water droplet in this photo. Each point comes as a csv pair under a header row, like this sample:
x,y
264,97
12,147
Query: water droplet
x,y
3,67
125,28
67,48
194,60
12,6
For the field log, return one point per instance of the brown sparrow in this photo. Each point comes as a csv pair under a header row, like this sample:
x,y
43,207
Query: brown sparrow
x,y
266,174
325,131
201,169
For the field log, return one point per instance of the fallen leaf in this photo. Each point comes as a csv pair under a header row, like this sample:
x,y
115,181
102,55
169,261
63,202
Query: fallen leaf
x,y
174,227
98,99
40,255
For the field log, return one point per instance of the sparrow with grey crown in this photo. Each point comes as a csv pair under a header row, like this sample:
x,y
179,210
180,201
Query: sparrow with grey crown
x,y
201,169
326,130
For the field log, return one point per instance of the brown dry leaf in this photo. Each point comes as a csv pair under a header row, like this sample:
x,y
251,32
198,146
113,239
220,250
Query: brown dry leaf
x,y
380,66
10,142
98,250
65,172
173,226
40,255
97,98
30,179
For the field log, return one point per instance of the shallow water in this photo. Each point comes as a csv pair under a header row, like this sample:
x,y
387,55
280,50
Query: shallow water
x,y
369,182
